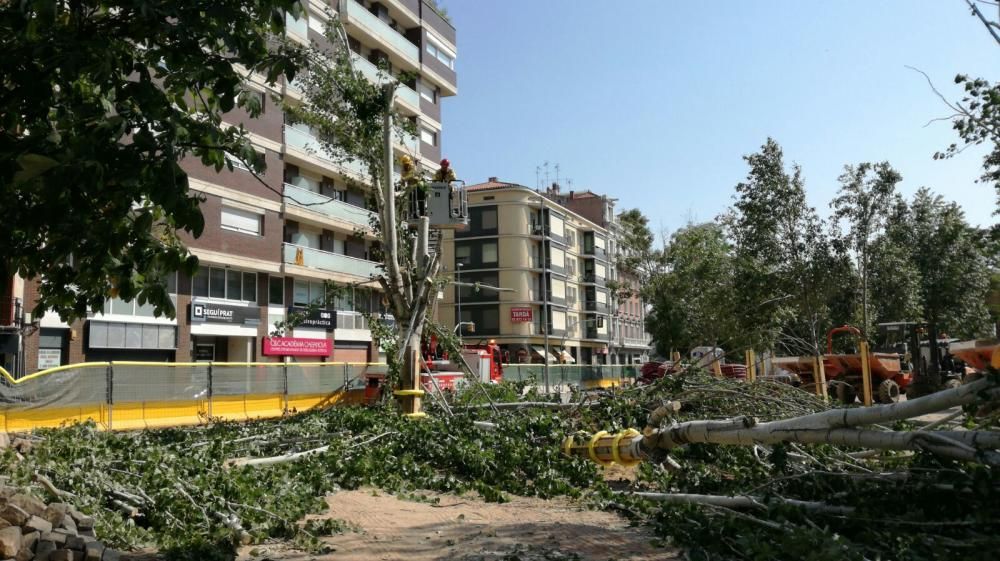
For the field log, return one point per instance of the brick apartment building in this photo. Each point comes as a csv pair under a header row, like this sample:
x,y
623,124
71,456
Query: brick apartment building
x,y
267,249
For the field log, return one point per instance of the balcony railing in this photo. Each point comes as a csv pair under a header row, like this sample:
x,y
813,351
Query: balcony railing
x,y
377,76
326,261
308,143
359,14
322,204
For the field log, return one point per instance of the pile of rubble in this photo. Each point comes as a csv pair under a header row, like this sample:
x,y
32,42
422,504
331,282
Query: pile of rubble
x,y
31,530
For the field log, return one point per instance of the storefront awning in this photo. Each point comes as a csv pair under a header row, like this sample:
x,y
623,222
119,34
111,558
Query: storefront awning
x,y
566,357
540,351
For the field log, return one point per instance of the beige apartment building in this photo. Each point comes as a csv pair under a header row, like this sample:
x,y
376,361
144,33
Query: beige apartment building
x,y
552,266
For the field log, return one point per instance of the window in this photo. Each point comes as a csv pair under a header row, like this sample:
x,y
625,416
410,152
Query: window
x,y
307,292
239,220
276,291
489,253
427,92
488,219
236,162
462,253
428,136
225,284
439,53
571,294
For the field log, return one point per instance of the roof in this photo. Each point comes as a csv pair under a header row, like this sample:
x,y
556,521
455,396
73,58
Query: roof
x,y
492,184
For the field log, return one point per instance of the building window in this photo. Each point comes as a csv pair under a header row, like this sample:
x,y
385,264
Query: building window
x,y
428,136
308,292
236,163
439,53
462,254
225,284
276,291
489,253
239,220
427,92
488,219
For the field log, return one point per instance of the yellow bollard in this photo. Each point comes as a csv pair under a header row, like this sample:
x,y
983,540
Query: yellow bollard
x,y
751,366
866,375
816,382
822,379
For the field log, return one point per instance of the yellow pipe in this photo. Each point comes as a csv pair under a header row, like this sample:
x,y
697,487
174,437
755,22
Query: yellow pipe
x,y
48,371
143,363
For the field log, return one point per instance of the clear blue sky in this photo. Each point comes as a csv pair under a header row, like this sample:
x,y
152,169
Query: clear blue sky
x,y
655,102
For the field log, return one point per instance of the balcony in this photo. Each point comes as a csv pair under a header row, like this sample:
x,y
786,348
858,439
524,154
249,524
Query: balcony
x,y
304,141
404,93
358,15
331,262
338,210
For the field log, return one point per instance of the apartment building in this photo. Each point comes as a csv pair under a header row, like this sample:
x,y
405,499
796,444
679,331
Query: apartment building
x,y
552,266
630,343
269,243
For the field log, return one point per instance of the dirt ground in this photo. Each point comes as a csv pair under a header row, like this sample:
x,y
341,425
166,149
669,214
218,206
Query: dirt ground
x,y
468,529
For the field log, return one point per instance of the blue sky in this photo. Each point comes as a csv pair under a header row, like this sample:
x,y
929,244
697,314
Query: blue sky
x,y
655,102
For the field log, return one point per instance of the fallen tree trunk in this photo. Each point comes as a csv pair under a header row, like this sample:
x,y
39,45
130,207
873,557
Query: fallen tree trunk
x,y
841,427
740,501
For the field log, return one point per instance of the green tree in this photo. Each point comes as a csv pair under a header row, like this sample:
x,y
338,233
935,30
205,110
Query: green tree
x,y
863,201
99,102
692,301
894,280
778,239
976,119
637,257
953,267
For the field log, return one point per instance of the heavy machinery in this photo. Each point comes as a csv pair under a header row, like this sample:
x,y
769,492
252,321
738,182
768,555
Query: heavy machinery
x,y
844,371
978,354
924,354
440,372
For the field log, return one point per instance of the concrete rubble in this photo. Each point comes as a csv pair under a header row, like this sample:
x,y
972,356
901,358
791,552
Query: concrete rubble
x,y
31,530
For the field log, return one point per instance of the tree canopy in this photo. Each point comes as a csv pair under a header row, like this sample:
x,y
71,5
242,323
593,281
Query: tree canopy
x,y
100,100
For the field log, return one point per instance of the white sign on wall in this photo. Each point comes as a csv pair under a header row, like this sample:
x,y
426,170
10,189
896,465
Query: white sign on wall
x,y
49,358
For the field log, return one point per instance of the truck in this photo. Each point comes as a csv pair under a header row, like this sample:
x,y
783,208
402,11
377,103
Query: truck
x,y
444,373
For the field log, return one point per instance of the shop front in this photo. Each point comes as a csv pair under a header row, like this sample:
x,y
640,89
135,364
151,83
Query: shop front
x,y
129,340
223,332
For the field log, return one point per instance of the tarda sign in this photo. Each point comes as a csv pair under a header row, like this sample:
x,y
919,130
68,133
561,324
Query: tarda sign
x,y
520,315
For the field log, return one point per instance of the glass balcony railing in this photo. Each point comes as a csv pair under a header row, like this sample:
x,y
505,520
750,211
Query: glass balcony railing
x,y
304,141
326,261
322,204
377,76
360,15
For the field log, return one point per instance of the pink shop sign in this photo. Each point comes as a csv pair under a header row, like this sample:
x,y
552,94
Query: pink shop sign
x,y
296,346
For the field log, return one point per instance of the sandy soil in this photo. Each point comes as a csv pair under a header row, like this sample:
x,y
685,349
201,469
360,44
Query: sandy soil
x,y
467,529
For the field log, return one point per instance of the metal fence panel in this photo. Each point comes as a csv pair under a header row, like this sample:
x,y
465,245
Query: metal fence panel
x,y
158,395
52,399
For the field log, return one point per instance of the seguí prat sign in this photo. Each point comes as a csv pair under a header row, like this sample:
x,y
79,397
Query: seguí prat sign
x,y
210,312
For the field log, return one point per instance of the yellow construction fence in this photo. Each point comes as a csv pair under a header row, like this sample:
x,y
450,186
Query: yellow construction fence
x,y
134,395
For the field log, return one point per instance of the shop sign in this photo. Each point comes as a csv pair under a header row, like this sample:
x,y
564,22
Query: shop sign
x,y
222,313
204,352
49,358
296,346
520,315
326,319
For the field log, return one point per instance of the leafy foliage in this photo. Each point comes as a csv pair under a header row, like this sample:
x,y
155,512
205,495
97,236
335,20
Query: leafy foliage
x,y
907,506
977,122
108,97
